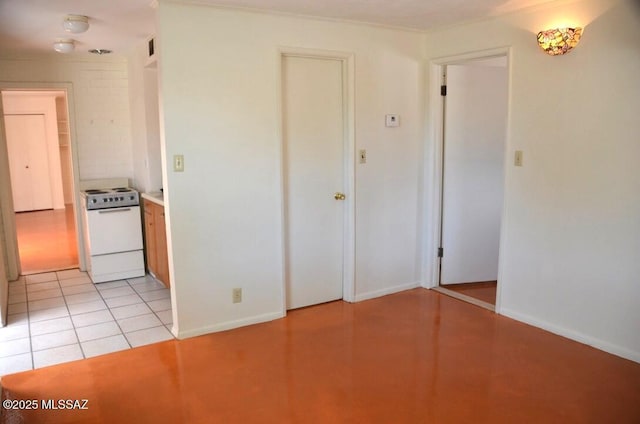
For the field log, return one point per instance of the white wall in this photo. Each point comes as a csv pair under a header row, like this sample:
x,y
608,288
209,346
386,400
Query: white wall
x,y
143,95
219,90
152,119
571,253
101,104
8,236
24,103
135,67
66,161
4,284
4,289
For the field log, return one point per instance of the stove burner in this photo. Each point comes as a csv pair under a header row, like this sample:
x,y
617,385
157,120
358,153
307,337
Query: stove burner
x,y
110,198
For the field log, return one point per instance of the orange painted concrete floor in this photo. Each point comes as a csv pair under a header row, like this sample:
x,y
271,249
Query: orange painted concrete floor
x,y
412,357
485,291
47,240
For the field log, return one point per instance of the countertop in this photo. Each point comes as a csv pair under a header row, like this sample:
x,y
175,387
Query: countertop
x,y
155,197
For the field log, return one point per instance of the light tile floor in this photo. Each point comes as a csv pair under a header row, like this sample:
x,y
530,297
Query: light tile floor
x,y
62,316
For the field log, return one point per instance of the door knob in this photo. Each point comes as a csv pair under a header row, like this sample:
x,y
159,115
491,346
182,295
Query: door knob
x,y
339,196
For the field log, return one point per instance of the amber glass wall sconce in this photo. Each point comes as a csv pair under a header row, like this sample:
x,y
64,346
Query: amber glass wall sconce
x,y
559,40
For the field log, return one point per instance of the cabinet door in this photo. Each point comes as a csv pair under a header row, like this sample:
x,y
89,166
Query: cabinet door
x,y
161,245
150,236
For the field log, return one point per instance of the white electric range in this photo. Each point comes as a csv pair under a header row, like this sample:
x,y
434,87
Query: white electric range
x,y
113,234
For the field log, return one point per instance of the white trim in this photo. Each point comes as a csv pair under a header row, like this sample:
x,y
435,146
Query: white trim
x,y
227,325
9,238
6,199
573,335
281,175
349,276
434,153
295,15
348,74
508,147
386,291
473,55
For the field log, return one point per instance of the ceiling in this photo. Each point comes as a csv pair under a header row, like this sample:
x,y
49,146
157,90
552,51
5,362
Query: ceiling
x,y
33,25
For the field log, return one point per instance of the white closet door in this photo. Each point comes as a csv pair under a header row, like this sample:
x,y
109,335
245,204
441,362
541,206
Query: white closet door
x,y
28,162
314,171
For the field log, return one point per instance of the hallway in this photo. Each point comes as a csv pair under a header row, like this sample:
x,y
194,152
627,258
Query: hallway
x,y
47,240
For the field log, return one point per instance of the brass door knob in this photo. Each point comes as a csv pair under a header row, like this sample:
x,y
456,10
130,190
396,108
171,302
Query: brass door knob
x,y
339,196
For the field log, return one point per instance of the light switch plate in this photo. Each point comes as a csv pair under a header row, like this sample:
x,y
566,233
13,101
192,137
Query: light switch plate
x,y
362,156
392,120
178,163
517,161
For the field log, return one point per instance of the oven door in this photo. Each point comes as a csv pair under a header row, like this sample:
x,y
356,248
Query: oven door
x,y
114,230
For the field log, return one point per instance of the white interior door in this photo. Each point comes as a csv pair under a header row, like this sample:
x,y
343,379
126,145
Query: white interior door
x,y
28,162
473,162
314,139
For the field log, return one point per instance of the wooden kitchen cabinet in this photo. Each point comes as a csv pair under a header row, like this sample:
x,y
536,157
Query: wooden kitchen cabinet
x,y
156,241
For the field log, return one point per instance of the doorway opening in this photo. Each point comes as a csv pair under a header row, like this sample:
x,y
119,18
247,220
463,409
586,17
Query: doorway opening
x,y
474,109
42,188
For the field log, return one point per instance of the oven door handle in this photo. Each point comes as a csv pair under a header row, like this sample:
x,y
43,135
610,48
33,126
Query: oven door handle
x,y
114,210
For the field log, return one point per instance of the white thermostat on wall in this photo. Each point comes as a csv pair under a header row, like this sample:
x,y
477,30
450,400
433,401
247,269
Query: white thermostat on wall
x,y
392,120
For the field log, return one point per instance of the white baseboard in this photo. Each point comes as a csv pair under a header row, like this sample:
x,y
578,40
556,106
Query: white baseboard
x,y
573,335
383,292
228,325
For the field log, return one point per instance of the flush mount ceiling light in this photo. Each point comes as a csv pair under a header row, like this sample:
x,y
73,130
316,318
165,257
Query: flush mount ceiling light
x,y
63,46
559,40
76,24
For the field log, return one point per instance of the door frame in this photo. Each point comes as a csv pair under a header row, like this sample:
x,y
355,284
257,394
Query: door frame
x,y
348,99
10,239
434,159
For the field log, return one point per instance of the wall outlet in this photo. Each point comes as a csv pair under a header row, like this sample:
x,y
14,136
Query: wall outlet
x,y
236,295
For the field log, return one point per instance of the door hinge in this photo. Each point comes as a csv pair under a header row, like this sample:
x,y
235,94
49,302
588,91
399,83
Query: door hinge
x,y
440,252
443,90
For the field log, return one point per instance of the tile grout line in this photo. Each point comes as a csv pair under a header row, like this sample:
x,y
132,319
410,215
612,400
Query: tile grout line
x,y
111,313
73,324
26,291
28,325
156,312
70,319
157,316
162,324
58,284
